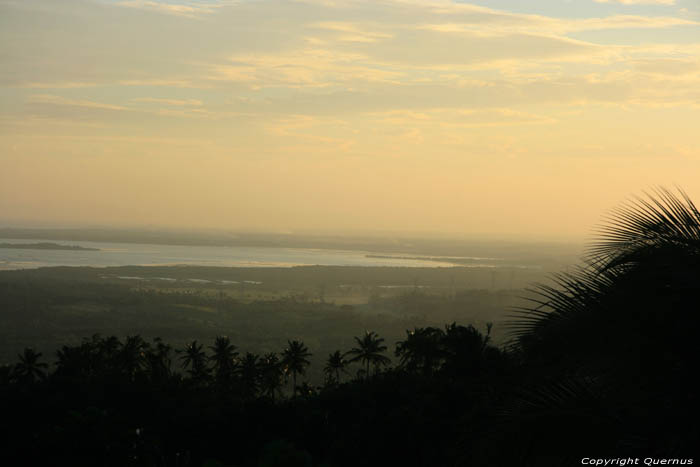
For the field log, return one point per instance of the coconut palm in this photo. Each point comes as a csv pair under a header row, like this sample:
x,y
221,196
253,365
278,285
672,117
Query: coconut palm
x,y
195,359
158,361
249,374
369,350
131,355
422,350
465,349
108,355
638,280
29,369
271,375
73,363
224,360
294,359
645,228
624,320
335,365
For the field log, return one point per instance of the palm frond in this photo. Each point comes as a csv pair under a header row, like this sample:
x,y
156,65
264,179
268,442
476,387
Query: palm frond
x,y
642,227
641,231
571,294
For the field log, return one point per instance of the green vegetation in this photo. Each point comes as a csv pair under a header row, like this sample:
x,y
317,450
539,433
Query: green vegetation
x,y
51,307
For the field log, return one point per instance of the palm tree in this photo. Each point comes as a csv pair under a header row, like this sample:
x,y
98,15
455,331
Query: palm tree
x,y
465,349
334,366
369,350
158,360
294,359
194,358
29,369
422,350
271,375
73,363
224,359
131,355
635,288
624,322
249,374
644,228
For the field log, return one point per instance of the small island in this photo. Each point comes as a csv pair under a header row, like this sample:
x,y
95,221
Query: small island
x,y
440,259
45,246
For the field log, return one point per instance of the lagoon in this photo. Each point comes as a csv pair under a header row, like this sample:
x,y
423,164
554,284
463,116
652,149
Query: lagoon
x,y
136,254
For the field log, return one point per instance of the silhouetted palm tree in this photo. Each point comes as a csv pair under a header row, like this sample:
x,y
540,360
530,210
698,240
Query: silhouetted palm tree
x,y
224,360
625,317
369,350
663,231
158,360
465,349
106,351
271,375
636,284
73,362
422,350
29,369
294,359
195,358
132,355
334,366
645,228
249,374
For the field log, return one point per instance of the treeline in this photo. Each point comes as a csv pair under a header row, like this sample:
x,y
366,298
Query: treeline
x,y
135,402
108,360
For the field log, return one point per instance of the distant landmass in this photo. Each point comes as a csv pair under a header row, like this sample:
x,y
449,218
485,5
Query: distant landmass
x,y
441,259
45,246
561,253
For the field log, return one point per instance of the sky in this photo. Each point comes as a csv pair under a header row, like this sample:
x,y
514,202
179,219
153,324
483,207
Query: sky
x,y
485,117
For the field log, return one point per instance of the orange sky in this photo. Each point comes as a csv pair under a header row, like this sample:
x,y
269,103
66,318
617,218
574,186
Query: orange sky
x,y
436,116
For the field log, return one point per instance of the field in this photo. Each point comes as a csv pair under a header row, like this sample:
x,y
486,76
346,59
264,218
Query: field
x,y
258,308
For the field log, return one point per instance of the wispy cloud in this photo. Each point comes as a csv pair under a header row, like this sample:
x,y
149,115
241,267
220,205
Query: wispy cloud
x,y
173,102
58,85
639,2
63,101
457,117
351,32
158,82
555,26
187,9
308,67
57,107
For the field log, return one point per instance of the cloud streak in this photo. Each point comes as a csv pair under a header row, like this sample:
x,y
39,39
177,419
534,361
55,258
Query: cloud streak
x,y
63,101
639,2
171,102
186,9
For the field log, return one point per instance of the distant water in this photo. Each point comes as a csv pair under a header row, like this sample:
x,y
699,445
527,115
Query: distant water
x,y
136,254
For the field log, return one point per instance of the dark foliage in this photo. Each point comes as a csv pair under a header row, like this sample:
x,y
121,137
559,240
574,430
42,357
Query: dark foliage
x,y
126,405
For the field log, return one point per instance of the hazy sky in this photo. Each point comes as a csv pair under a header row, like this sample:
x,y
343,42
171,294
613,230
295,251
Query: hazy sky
x,y
509,116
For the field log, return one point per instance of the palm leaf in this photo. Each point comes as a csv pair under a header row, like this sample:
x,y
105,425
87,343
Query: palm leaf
x,y
656,230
